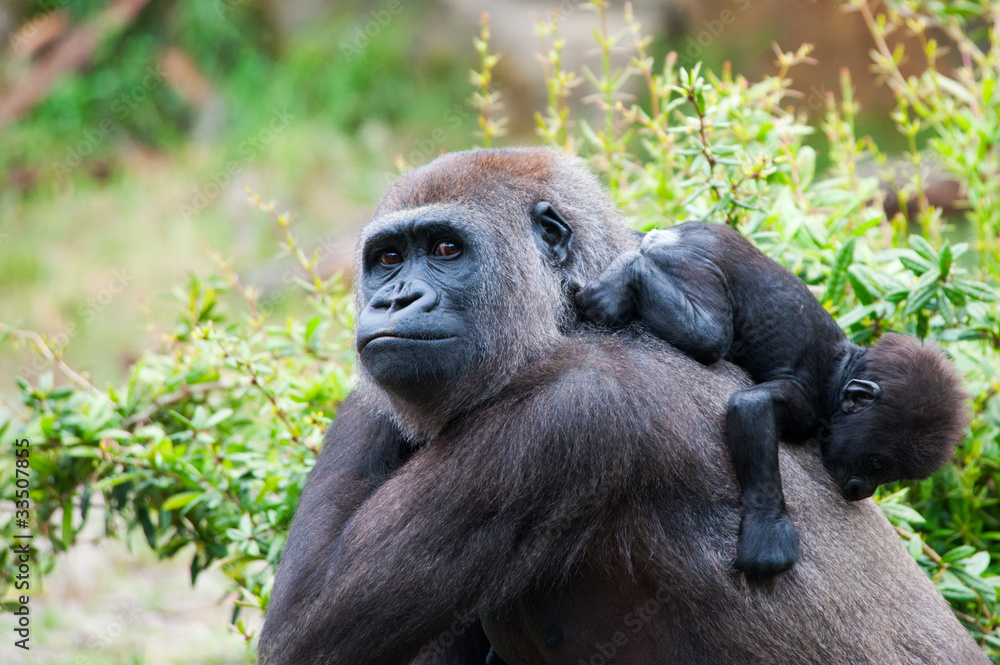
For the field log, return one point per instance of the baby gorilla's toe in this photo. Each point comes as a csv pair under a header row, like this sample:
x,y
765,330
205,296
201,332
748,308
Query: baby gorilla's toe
x,y
767,545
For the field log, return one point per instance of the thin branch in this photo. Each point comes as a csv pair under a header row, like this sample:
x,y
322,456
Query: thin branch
x,y
931,554
171,398
50,355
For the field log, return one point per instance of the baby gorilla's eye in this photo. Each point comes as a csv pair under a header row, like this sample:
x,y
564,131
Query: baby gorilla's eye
x,y
447,249
391,258
876,463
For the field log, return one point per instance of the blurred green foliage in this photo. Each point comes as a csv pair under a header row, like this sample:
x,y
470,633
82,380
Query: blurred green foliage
x,y
328,71
206,446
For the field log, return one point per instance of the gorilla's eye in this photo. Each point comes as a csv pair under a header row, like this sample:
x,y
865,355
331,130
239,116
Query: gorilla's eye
x,y
447,249
391,258
876,464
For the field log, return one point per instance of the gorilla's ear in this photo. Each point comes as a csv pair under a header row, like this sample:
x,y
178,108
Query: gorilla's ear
x,y
858,395
553,235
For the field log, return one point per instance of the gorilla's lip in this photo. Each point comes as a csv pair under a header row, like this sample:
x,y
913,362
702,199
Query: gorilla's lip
x,y
409,336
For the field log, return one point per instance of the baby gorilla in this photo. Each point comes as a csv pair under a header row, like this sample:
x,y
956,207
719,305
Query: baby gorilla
x,y
894,411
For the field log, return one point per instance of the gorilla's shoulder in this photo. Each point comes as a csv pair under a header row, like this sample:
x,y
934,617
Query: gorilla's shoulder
x,y
634,362
628,377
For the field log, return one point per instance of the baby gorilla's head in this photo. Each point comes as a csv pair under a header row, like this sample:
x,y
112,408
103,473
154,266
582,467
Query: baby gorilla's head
x,y
901,415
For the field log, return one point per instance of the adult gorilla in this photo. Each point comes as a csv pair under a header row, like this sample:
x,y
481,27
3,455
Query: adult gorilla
x,y
501,471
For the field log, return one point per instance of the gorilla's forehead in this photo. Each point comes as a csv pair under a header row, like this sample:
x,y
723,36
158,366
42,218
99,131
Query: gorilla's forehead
x,y
476,176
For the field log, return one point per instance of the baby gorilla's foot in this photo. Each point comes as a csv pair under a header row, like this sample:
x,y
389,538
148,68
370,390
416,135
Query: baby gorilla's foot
x,y
767,544
609,300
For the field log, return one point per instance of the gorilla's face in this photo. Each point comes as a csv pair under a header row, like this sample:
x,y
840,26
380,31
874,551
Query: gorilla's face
x,y
415,332
860,456
447,301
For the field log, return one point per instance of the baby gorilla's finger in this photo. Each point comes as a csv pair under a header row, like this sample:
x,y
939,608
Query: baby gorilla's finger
x,y
610,299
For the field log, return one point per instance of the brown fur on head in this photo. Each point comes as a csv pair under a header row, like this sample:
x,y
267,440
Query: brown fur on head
x,y
524,304
914,425
923,403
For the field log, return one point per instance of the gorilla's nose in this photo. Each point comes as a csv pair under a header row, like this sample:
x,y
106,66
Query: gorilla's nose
x,y
856,489
414,293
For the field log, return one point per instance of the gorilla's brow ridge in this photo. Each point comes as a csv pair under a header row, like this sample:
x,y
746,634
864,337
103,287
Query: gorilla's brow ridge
x,y
430,224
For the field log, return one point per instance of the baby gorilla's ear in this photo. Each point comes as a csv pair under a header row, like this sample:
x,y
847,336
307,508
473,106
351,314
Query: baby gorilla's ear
x,y
858,395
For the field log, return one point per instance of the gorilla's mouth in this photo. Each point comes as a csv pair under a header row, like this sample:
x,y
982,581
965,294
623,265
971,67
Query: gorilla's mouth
x,y
409,336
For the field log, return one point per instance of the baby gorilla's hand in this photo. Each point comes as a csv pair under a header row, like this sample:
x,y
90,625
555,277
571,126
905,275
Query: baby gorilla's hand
x,y
610,300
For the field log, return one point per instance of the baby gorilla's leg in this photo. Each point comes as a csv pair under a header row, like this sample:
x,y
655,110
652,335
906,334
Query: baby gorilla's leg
x,y
610,300
767,543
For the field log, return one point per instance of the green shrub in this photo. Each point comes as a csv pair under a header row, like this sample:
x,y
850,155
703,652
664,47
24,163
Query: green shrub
x,y
209,441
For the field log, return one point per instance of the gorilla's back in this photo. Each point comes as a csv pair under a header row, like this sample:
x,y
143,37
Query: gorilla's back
x,y
855,595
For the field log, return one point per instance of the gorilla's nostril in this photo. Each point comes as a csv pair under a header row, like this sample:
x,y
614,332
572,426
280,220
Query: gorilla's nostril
x,y
404,300
854,490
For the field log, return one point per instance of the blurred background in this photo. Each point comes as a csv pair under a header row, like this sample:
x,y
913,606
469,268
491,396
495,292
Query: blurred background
x,y
129,128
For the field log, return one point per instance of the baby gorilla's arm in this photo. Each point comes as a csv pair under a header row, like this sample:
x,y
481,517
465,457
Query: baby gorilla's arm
x,y
680,297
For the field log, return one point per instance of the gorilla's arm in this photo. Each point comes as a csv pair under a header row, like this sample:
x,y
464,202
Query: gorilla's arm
x,y
361,451
510,498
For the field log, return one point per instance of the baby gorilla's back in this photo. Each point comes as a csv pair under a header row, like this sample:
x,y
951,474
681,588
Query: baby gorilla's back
x,y
674,287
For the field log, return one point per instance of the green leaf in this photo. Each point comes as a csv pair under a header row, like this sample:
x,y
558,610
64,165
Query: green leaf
x,y
957,592
817,229
861,281
915,263
45,383
67,524
218,417
112,481
148,529
61,393
924,249
975,290
946,260
590,135
855,315
958,553
838,274
805,160
112,433
977,563
81,450
180,500
311,328
898,512
976,583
